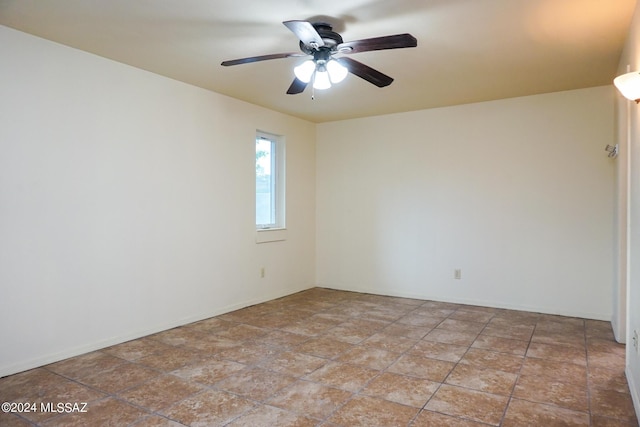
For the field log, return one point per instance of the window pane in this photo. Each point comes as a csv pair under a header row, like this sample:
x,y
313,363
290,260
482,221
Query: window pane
x,y
265,183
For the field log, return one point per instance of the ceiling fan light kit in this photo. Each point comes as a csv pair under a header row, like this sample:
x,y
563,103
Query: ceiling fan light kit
x,y
322,74
322,43
321,78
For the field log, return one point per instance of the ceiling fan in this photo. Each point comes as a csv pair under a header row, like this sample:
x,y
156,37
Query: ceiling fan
x,y
322,43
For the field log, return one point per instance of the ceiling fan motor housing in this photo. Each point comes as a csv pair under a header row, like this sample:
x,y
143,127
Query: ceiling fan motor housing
x,y
330,38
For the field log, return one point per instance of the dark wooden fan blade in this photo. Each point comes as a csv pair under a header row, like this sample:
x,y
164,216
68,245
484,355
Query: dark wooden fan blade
x,y
305,32
298,86
365,72
260,58
397,41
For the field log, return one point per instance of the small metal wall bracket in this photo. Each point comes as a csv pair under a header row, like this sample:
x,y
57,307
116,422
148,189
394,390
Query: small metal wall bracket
x,y
612,150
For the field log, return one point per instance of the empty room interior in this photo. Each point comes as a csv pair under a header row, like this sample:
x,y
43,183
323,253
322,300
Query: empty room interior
x,y
440,225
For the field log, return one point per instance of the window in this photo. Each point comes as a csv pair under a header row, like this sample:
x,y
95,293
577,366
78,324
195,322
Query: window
x,y
269,181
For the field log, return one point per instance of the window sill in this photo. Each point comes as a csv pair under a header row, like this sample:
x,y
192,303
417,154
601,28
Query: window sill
x,y
267,235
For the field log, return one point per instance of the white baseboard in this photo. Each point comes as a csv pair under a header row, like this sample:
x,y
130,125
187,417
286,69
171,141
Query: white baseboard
x,y
100,344
482,303
634,389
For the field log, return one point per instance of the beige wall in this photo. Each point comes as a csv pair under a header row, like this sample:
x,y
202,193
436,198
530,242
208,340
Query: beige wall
x,y
127,203
516,193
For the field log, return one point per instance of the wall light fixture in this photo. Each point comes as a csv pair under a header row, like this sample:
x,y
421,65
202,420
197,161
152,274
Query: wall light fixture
x,y
629,86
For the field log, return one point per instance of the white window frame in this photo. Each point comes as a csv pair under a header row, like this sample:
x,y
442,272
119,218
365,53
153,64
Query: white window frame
x,y
277,186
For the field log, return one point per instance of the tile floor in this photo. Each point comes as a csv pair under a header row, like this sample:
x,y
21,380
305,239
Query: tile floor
x,y
331,358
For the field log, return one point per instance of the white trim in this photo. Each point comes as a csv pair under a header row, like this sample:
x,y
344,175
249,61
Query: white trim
x,y
266,235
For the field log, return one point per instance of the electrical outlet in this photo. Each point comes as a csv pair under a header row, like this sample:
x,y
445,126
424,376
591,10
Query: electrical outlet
x,y
457,274
262,272
635,340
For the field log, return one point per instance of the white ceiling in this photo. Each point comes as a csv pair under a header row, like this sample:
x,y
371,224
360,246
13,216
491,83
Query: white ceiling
x,y
468,50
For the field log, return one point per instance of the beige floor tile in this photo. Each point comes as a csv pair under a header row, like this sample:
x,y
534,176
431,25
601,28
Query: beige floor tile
x,y
461,326
242,333
210,326
370,326
420,320
612,404
106,412
269,416
422,367
600,421
605,346
470,404
293,363
248,353
395,343
343,376
544,390
598,328
136,349
179,336
369,357
279,319
384,314
350,333
13,420
172,359
282,340
509,330
29,385
576,340
606,360
310,399
210,344
209,372
492,360
506,317
451,337
323,346
482,379
157,421
404,330
221,408
160,393
60,392
440,351
473,315
523,413
368,411
559,353
120,378
434,419
310,327
501,345
255,383
437,308
86,364
608,379
560,324
401,389
556,371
